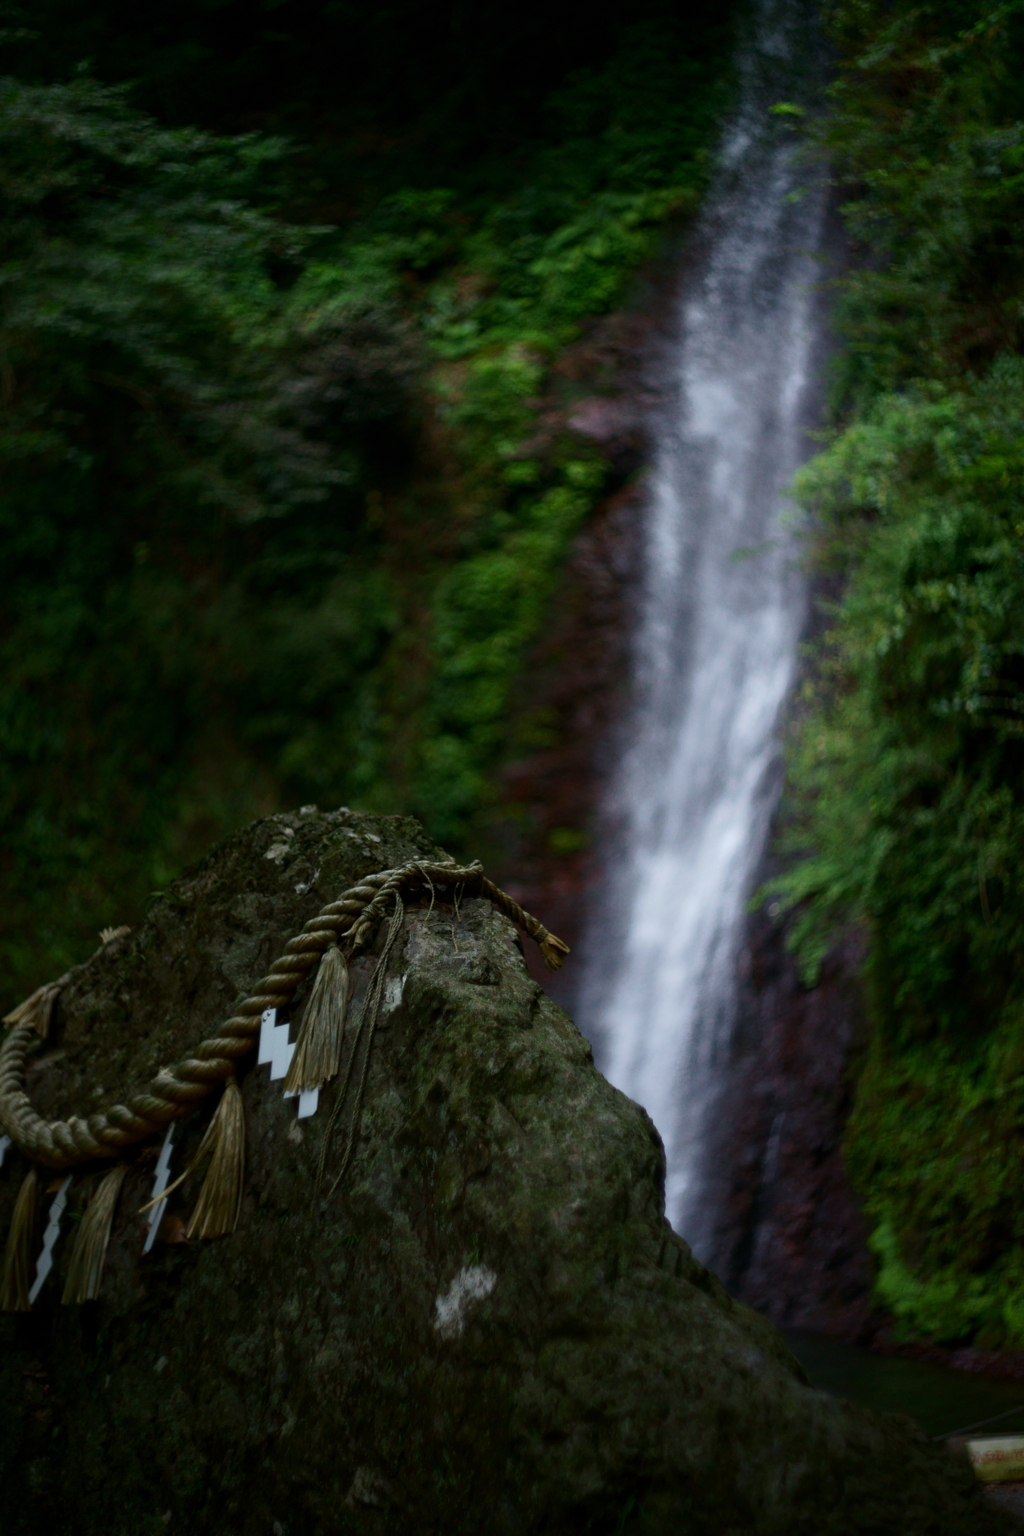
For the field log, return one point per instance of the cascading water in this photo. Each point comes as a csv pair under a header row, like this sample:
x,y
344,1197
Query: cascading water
x,y
722,608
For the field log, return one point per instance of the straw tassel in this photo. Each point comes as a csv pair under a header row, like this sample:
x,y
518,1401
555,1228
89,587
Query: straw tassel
x,y
317,1055
90,1251
109,935
220,1199
554,951
17,1277
37,1009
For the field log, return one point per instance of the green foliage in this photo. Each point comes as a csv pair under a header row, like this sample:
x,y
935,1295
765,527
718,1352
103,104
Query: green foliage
x,y
379,100
169,504
909,771
912,757
281,514
132,265
936,1144
499,288
925,128
486,612
907,768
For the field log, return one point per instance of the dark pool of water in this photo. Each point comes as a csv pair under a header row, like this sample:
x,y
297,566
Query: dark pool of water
x,y
940,1399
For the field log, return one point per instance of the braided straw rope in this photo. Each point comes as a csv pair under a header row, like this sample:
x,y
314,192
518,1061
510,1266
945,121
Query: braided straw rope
x,y
175,1089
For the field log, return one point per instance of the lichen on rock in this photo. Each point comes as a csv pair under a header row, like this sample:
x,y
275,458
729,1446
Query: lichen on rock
x,y
488,1326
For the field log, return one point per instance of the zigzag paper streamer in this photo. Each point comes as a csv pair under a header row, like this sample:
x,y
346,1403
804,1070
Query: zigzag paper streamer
x,y
277,1050
50,1236
162,1174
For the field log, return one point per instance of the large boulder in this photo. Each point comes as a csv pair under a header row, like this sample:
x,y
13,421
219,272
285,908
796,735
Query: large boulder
x,y
488,1327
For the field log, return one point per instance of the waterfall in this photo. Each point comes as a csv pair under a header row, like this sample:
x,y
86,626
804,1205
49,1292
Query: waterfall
x,y
722,607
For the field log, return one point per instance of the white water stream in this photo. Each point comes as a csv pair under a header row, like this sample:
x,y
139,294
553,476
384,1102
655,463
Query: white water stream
x,y
722,609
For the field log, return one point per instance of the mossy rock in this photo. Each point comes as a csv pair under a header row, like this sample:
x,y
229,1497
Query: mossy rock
x,y
487,1327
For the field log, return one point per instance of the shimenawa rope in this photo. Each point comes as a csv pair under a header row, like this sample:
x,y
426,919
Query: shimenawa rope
x,y
175,1089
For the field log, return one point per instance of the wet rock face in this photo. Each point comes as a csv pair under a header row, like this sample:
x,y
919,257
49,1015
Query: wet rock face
x,y
487,1327
789,1237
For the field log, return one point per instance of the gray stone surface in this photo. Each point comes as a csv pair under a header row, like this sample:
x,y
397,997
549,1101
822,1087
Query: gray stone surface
x,y
1008,1496
488,1328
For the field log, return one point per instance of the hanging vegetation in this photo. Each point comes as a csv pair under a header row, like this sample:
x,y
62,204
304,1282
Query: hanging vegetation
x,y
907,771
